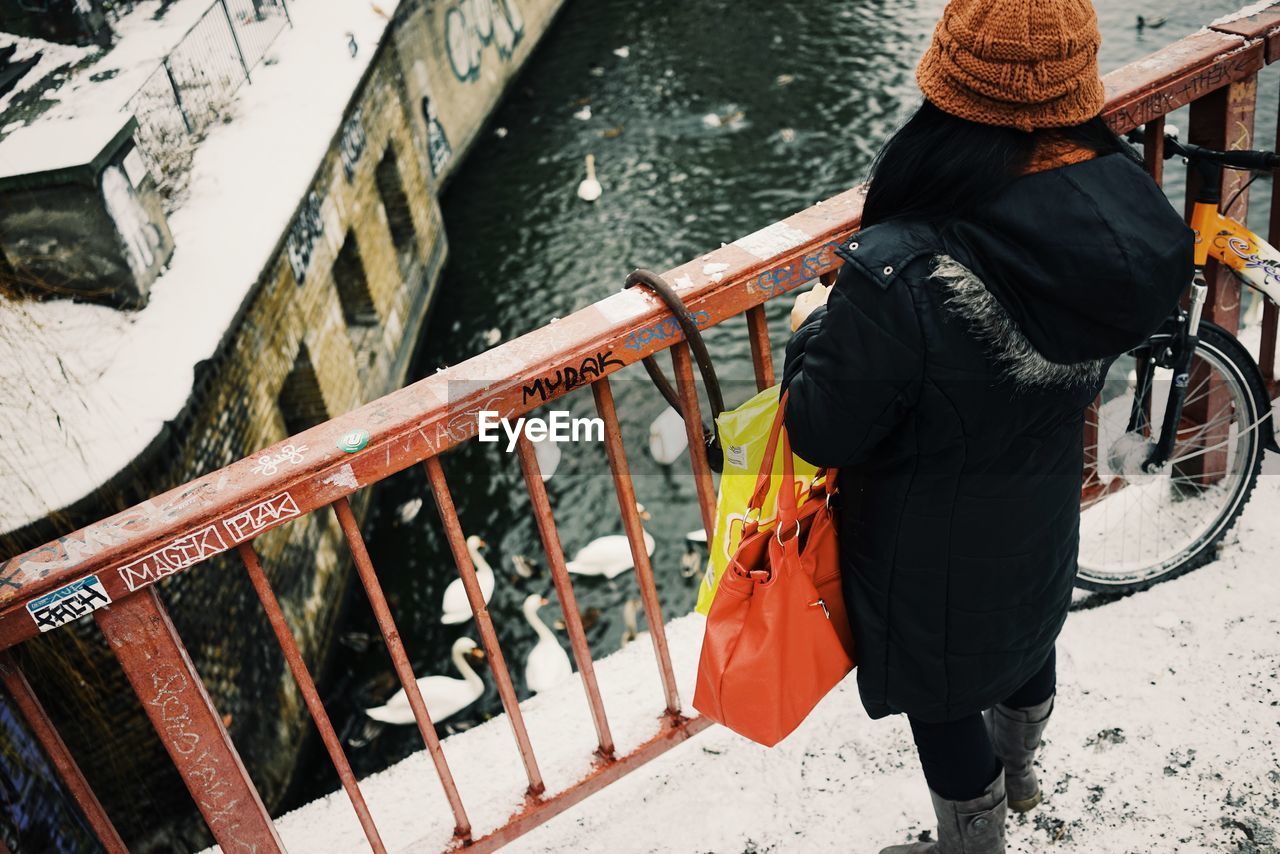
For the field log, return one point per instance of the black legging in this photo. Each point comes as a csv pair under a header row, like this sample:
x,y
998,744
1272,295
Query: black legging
x,y
956,755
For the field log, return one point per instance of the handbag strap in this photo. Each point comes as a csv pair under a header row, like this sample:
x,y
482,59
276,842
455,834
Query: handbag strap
x,y
776,429
787,503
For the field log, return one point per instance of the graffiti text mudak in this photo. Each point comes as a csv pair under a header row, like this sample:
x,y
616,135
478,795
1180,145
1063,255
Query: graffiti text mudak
x,y
470,25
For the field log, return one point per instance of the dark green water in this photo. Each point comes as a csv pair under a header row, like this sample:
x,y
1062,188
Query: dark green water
x,y
803,93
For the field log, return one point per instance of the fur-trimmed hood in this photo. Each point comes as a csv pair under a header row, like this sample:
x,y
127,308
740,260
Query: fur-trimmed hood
x,y
1068,266
969,298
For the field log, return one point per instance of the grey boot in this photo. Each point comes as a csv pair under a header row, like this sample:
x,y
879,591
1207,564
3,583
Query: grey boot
x,y
1015,735
965,827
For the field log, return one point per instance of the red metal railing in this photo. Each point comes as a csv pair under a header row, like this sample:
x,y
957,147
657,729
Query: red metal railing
x,y
122,557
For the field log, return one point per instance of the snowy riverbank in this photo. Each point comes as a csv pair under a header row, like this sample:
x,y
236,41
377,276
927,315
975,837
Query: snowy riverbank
x,y
1167,738
88,387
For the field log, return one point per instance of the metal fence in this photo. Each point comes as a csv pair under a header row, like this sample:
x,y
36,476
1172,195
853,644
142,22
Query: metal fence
x,y
195,82
118,561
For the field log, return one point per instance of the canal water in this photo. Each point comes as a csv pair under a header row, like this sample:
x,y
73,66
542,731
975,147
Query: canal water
x,y
707,120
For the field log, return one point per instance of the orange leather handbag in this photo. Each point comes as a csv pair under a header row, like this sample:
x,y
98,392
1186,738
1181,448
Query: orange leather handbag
x,y
777,637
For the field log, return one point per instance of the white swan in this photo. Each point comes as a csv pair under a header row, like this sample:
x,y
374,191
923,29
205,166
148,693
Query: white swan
x,y
691,560
524,567
548,456
445,696
547,663
630,623
667,437
589,190
609,556
408,511
456,608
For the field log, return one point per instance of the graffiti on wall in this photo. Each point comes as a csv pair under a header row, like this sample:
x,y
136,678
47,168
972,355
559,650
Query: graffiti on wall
x,y
140,235
351,141
304,234
439,151
471,25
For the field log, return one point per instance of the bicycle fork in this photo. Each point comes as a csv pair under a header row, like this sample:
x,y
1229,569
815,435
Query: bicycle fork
x,y
1185,349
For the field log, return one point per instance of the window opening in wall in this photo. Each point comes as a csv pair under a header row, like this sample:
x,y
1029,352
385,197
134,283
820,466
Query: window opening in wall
x,y
301,401
357,306
353,285
396,204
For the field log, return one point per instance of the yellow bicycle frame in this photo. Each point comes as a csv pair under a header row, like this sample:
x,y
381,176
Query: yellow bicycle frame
x,y
1232,243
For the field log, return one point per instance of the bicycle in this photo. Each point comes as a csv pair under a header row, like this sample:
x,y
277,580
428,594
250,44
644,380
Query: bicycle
x,y
1179,431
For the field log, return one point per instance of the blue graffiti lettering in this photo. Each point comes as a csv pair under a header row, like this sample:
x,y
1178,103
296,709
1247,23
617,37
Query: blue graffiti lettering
x,y
795,272
662,330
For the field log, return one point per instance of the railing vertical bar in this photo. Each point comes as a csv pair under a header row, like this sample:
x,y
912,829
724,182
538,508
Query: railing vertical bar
x,y
1153,149
302,675
1267,350
400,659
761,350
1270,312
682,363
155,662
484,623
564,590
1223,119
59,756
626,494
1091,442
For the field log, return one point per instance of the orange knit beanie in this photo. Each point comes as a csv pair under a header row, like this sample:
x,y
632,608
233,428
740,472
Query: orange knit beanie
x,y
1024,64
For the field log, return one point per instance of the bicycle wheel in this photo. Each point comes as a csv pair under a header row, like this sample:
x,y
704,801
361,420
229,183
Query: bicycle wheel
x,y
1138,528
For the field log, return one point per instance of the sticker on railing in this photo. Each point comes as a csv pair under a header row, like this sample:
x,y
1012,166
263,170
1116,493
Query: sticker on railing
x,y
68,603
353,441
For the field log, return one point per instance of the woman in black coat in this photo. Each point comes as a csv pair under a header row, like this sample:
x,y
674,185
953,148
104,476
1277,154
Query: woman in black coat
x,y
1010,251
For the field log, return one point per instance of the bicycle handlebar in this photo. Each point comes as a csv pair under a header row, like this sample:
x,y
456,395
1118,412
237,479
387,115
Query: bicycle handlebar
x,y
1256,161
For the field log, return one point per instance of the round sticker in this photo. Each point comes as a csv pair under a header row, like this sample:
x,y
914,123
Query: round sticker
x,y
354,441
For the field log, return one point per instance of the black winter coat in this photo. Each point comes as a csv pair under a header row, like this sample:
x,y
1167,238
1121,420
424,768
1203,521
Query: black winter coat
x,y
947,377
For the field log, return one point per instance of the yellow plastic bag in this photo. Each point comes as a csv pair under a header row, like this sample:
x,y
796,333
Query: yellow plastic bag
x,y
744,432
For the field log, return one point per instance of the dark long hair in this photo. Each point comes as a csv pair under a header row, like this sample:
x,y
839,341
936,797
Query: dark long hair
x,y
938,167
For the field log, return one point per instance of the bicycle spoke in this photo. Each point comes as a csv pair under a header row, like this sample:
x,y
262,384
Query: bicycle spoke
x,y
1137,526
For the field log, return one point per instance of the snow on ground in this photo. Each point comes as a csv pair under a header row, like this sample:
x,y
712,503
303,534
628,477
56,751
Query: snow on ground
x,y
1166,738
85,389
142,41
53,56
